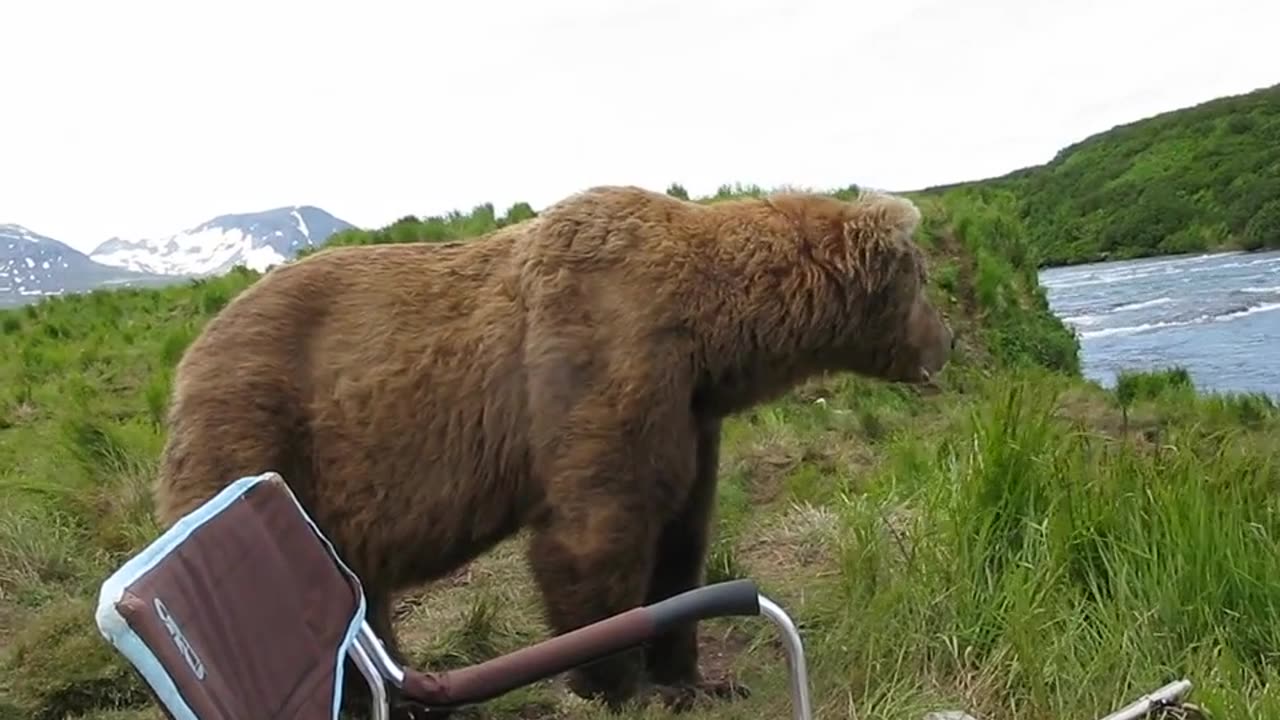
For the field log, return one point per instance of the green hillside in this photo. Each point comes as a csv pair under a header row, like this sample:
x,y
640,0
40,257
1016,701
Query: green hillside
x,y
1200,178
1023,545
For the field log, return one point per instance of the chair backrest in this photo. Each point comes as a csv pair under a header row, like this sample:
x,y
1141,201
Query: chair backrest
x,y
240,610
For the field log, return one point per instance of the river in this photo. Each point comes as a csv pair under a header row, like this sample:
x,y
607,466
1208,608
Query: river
x,y
1217,315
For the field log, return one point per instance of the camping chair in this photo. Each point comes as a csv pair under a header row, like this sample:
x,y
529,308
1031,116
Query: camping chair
x,y
243,610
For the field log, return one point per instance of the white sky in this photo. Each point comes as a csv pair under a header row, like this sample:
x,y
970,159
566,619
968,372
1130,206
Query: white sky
x,y
138,118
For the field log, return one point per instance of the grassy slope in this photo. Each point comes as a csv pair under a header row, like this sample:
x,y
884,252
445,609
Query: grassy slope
x,y
1201,178
1017,546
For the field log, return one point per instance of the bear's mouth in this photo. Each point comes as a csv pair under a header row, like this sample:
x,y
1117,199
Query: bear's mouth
x,y
926,383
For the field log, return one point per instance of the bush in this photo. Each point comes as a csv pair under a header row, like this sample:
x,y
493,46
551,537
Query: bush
x,y
1263,230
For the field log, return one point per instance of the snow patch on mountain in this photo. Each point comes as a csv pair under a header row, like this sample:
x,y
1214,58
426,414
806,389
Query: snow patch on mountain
x,y
34,265
256,240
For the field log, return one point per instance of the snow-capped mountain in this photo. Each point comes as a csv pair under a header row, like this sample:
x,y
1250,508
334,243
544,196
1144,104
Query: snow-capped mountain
x,y
33,265
257,240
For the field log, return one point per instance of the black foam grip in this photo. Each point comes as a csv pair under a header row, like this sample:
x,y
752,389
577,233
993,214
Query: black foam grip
x,y
735,597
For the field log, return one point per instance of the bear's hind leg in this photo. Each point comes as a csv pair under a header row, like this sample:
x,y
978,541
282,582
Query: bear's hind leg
x,y
672,659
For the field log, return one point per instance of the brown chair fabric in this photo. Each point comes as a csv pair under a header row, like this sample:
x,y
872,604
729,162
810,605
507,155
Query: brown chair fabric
x,y
257,599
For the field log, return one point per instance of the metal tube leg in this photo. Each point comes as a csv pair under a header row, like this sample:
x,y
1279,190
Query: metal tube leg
x,y
380,706
377,654
1141,707
799,673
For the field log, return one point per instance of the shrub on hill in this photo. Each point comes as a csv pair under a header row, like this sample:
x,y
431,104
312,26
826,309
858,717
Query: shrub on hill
x,y
1195,179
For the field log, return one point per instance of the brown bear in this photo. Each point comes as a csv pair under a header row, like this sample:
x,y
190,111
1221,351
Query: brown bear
x,y
567,374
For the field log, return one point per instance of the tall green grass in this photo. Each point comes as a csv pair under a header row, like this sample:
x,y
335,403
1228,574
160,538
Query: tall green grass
x,y
1053,572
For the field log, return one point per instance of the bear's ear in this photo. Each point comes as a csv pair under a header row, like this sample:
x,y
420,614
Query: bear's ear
x,y
877,234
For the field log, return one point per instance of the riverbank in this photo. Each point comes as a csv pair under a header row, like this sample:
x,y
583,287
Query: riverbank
x,y
1147,254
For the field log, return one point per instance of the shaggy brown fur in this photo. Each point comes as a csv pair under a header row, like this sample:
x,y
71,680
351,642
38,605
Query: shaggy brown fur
x,y
568,374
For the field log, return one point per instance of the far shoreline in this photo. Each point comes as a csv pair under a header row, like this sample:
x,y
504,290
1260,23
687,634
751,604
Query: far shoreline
x,y
1103,258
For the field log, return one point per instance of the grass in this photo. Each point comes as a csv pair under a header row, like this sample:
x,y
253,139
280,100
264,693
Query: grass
x,y
1024,545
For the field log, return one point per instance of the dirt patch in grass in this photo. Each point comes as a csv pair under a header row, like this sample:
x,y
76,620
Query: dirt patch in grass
x,y
768,464
805,536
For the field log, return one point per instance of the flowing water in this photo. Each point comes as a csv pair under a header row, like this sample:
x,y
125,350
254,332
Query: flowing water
x,y
1217,315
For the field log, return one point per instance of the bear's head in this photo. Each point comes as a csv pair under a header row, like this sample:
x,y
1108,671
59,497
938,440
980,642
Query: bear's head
x,y
891,329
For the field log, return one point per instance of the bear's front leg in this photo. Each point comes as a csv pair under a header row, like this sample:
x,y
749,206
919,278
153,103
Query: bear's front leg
x,y
595,534
672,659
592,560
